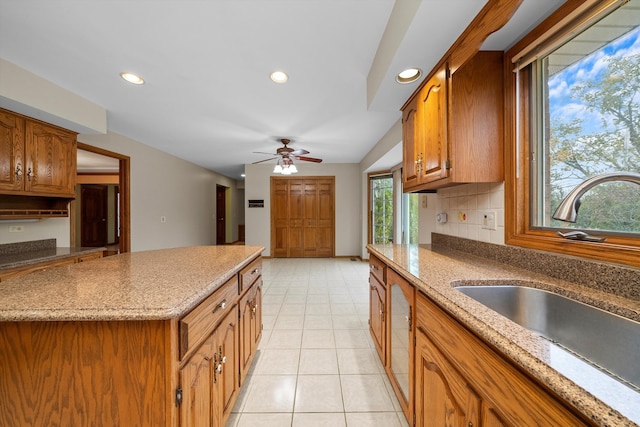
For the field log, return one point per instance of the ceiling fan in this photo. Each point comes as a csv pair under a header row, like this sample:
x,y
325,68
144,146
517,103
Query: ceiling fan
x,y
286,155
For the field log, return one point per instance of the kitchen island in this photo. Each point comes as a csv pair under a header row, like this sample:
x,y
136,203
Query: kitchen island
x,y
592,397
114,341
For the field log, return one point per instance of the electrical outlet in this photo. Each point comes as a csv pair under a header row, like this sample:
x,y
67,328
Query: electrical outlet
x,y
16,228
488,220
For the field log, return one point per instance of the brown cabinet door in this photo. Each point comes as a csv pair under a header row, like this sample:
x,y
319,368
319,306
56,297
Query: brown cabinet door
x,y
51,160
197,383
12,159
443,397
377,316
227,337
432,121
409,142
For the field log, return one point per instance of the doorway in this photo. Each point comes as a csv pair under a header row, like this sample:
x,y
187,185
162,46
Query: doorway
x,y
93,215
303,217
221,215
121,198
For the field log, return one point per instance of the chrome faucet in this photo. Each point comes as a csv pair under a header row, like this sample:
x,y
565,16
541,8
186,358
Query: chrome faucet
x,y
568,208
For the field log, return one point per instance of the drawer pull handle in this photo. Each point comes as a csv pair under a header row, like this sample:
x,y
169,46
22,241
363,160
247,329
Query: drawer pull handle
x,y
221,306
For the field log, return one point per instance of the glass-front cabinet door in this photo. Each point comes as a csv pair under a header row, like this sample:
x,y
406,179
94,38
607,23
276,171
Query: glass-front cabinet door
x,y
400,351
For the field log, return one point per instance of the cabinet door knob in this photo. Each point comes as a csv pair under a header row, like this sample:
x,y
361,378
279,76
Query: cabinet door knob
x,y
220,306
18,170
29,174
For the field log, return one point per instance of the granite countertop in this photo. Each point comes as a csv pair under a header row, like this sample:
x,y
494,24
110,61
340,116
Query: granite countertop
x,y
22,259
151,285
22,254
435,272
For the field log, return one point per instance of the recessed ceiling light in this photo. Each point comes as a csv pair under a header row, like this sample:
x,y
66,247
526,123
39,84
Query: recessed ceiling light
x,y
409,75
132,78
279,76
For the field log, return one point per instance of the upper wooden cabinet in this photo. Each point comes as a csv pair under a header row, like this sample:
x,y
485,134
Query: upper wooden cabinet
x,y
452,126
36,159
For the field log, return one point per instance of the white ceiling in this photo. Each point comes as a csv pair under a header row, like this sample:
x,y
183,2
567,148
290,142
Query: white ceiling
x,y
208,98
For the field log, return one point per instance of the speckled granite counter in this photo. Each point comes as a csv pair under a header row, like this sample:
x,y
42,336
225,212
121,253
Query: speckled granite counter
x,y
151,285
435,271
23,259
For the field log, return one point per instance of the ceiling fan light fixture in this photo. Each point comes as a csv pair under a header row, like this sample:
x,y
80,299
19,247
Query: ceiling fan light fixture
x,y
409,75
293,168
279,77
277,169
132,78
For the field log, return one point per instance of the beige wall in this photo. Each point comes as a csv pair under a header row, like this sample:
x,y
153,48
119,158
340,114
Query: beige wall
x,y
164,185
347,208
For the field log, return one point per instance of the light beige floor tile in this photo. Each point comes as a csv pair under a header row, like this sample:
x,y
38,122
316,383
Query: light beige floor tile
x,y
292,309
285,321
318,393
346,322
264,420
320,308
318,361
372,419
343,308
318,299
271,393
365,393
318,338
285,338
317,321
295,298
357,361
322,419
352,338
278,362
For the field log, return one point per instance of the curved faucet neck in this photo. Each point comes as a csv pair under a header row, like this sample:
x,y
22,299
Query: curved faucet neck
x,y
568,208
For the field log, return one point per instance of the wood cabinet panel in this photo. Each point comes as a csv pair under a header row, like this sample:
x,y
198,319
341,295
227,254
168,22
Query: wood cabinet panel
x,y
54,373
249,274
51,159
250,326
377,316
46,265
12,156
453,126
36,159
200,321
508,396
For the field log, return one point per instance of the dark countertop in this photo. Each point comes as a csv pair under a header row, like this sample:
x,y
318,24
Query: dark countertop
x,y
435,272
22,259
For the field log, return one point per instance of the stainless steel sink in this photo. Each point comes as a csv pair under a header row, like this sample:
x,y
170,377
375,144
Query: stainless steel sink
x,y
609,341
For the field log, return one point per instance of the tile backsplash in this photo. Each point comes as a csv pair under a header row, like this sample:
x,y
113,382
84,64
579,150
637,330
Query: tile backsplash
x,y
465,206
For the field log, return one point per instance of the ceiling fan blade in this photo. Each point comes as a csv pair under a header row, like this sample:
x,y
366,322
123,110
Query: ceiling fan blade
x,y
299,152
309,159
265,160
262,152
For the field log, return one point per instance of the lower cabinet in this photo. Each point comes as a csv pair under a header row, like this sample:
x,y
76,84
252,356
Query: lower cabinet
x,y
209,378
442,373
460,381
377,316
250,326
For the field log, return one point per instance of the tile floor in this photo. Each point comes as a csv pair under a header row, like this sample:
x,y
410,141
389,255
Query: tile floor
x,y
316,364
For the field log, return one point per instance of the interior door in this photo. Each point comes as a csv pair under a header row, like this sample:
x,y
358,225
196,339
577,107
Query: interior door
x,y
93,211
221,215
302,217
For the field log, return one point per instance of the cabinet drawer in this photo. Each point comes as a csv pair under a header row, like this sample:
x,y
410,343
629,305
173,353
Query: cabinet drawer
x,y
249,274
378,269
200,322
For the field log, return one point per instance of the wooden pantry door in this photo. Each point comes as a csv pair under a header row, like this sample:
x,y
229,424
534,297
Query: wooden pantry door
x,y
302,217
